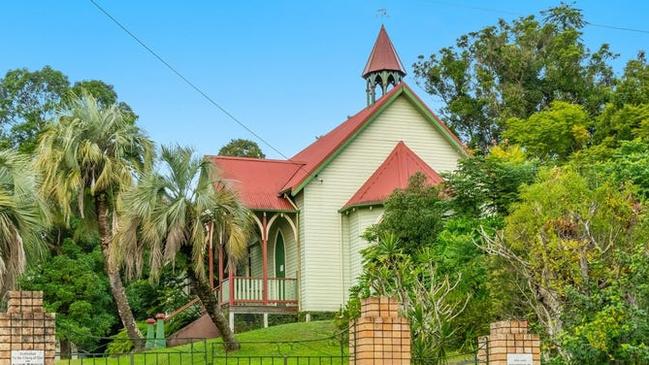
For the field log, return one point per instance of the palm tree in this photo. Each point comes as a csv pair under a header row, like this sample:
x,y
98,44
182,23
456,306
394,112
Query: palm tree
x,y
93,153
171,211
23,216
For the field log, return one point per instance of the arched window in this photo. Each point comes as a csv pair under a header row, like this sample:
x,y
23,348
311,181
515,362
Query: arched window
x,y
280,256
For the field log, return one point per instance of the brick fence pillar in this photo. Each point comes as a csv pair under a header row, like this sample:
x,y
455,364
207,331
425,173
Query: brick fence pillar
x,y
381,335
509,341
25,327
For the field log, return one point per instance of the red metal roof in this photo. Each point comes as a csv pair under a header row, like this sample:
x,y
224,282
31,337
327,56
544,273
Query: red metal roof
x,y
317,152
258,181
261,182
383,56
393,174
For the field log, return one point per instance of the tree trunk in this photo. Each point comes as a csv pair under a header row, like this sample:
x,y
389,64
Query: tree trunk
x,y
66,348
207,297
115,280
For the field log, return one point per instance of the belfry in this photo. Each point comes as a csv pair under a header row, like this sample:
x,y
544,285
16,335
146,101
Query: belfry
x,y
383,68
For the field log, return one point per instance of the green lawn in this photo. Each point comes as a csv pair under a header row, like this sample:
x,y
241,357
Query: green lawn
x,y
267,346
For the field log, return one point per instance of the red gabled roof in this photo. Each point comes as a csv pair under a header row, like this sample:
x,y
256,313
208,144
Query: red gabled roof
x,y
318,151
261,183
393,174
258,181
383,56
314,155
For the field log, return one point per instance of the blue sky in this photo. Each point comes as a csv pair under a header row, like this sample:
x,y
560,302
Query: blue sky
x,y
288,69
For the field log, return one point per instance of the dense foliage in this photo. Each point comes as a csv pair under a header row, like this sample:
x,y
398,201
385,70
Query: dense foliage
x,y
513,70
76,289
29,99
240,147
547,221
177,210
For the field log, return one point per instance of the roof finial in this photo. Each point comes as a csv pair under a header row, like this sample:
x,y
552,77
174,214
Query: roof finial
x,y
383,67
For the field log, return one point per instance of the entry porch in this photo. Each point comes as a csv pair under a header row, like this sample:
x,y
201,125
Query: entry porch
x,y
267,279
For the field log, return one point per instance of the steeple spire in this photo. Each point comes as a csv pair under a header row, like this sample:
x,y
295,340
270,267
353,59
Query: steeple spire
x,y
383,67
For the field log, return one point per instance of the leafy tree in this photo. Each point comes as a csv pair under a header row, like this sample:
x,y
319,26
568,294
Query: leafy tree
x,y
488,185
621,124
633,86
515,69
28,99
419,244
242,148
574,247
105,95
455,254
551,134
170,212
414,215
428,299
91,153
76,289
23,217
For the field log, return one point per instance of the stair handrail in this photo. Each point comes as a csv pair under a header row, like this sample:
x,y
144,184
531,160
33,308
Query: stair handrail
x,y
190,304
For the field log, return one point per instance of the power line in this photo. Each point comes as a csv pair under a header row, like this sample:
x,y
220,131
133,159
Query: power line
x,y
617,28
185,79
507,12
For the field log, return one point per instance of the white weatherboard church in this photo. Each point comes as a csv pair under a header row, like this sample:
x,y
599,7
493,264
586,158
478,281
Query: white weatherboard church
x,y
311,209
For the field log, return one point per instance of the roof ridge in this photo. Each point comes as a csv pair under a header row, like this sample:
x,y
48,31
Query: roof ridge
x,y
368,108
374,178
397,159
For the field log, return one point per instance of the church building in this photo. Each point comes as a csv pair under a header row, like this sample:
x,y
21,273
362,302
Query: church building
x,y
311,209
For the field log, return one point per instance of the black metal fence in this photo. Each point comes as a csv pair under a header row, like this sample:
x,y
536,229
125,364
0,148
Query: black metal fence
x,y
200,358
195,351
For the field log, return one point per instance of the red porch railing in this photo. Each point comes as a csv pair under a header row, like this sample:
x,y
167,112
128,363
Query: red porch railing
x,y
249,290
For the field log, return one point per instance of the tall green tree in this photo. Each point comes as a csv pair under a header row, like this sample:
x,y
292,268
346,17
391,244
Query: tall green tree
x,y
172,211
240,147
87,159
29,99
514,69
24,217
633,86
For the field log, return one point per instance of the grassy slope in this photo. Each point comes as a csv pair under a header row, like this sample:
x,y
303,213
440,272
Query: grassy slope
x,y
283,340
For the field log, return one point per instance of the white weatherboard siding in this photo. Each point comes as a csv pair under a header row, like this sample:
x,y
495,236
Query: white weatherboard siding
x,y
360,220
255,261
345,237
323,284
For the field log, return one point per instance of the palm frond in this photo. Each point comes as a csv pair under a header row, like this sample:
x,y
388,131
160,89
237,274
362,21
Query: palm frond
x,y
24,216
173,205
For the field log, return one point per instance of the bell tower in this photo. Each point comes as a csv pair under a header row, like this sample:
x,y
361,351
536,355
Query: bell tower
x,y
383,68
